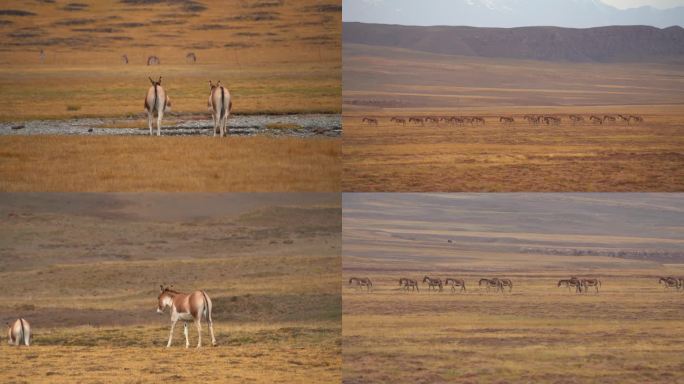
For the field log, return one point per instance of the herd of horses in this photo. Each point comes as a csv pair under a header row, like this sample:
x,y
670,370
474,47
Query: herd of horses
x,y
507,120
157,102
195,306
581,285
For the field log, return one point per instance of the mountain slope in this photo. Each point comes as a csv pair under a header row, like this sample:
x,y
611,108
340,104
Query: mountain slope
x,y
604,44
507,13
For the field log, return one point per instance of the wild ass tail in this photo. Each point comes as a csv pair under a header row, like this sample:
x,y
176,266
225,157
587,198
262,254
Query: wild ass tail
x,y
23,332
223,103
207,307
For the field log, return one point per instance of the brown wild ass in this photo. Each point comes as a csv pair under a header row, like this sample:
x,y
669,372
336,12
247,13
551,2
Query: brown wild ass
x,y
506,120
670,282
370,121
399,120
434,284
156,101
586,283
220,105
194,306
455,283
191,58
489,283
153,60
19,332
408,284
359,282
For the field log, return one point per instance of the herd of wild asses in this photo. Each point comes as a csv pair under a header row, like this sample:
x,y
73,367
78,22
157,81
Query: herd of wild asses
x,y
195,307
581,285
508,120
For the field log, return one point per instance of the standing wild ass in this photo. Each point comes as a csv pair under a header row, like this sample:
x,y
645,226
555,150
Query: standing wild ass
x,y
156,101
186,307
359,282
19,332
220,105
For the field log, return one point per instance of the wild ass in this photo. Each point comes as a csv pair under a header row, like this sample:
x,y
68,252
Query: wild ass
x,y
571,282
370,121
153,60
156,101
359,282
408,284
576,119
506,120
191,58
398,120
586,283
42,56
433,284
220,105
595,119
670,282
489,283
19,332
124,58
455,283
194,306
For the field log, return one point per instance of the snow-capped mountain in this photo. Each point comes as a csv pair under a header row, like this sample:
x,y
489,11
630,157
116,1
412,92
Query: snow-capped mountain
x,y
507,13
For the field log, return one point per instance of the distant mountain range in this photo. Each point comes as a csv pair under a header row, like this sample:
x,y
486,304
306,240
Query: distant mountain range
x,y
507,13
603,44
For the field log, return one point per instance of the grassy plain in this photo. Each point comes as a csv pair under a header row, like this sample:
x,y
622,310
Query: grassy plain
x,y
630,332
88,283
274,56
382,83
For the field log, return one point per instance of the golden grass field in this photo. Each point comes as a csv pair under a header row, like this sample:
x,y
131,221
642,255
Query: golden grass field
x,y
88,283
275,57
382,83
630,332
200,164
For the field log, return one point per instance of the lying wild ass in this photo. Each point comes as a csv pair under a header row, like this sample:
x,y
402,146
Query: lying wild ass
x,y
220,105
194,306
156,101
19,332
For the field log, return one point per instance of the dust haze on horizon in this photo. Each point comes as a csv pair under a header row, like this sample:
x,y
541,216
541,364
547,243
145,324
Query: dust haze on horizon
x,y
517,13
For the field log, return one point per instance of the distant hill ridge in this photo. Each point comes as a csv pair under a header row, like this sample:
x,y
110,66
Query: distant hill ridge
x,y
600,44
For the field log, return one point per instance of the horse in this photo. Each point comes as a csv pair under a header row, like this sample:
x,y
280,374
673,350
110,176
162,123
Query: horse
x,y
433,283
362,282
220,104
455,283
19,332
156,101
586,283
194,306
409,283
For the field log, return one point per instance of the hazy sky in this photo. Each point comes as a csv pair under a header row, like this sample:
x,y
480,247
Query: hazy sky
x,y
638,3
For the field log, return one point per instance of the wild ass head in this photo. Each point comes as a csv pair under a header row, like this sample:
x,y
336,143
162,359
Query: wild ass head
x,y
165,298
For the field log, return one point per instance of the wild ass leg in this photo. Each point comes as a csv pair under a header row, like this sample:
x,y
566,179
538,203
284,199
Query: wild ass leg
x,y
185,332
173,324
211,332
149,121
199,333
160,115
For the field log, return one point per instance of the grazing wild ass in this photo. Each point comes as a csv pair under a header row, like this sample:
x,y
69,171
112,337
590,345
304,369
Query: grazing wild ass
x,y
195,306
370,121
671,282
586,283
489,283
19,333
506,120
571,282
359,282
156,101
220,105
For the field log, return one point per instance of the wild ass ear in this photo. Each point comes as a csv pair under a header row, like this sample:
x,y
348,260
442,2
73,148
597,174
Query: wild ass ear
x,y
161,288
159,82
151,81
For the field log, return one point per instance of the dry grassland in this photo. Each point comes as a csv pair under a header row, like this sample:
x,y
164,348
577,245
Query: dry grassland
x,y
200,164
382,83
89,280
